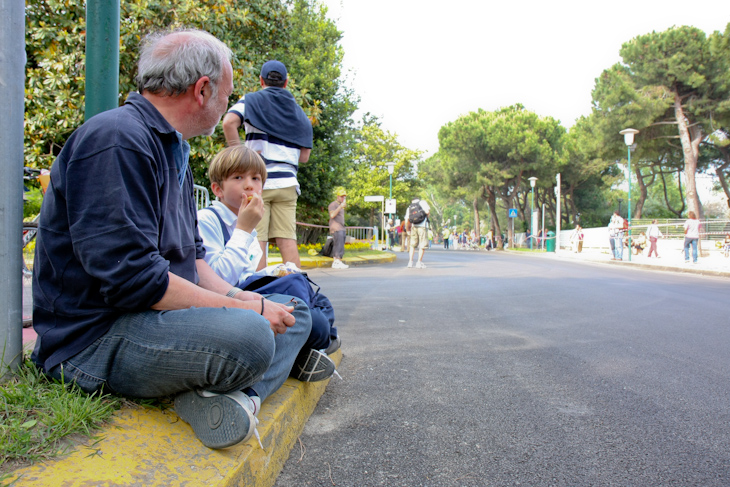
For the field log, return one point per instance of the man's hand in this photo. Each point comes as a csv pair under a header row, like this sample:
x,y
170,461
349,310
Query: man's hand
x,y
279,315
248,296
250,213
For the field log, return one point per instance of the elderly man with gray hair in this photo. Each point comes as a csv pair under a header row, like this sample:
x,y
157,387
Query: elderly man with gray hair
x,y
124,300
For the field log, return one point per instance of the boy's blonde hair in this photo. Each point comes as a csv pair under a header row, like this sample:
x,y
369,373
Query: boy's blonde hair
x,y
236,159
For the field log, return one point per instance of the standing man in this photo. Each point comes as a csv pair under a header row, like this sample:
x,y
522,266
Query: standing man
x,y
337,227
279,130
616,227
123,299
417,226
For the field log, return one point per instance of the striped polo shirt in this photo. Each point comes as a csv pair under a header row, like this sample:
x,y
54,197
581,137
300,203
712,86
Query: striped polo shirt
x,y
281,157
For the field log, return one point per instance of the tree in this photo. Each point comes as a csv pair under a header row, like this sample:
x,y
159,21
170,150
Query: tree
x,y
677,66
370,176
297,33
493,153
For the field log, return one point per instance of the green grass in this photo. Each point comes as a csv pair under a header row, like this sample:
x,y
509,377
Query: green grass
x,y
39,416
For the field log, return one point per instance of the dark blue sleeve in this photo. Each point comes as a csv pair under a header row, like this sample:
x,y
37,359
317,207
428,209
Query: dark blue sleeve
x,y
114,218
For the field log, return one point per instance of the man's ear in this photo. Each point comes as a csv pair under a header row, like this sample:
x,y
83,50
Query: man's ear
x,y
201,89
217,189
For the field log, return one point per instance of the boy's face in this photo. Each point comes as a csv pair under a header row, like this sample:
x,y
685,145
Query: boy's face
x,y
236,187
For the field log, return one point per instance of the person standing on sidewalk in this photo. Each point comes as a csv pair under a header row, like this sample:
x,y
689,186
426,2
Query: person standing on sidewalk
x,y
279,130
691,236
417,225
654,234
616,233
337,227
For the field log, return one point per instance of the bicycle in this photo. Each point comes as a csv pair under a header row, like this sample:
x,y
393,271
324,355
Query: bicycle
x,y
30,230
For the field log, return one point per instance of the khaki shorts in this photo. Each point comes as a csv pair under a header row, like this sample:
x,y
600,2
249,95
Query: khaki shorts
x,y
280,214
419,237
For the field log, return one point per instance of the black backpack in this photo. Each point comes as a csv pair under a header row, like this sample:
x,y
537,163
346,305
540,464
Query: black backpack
x,y
416,213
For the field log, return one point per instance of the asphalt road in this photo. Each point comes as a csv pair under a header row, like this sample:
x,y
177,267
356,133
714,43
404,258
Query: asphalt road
x,y
501,369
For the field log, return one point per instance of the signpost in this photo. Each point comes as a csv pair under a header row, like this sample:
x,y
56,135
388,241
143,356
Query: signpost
x,y
512,215
373,199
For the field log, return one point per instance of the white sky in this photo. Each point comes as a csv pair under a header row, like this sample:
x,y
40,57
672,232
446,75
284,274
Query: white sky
x,y
418,64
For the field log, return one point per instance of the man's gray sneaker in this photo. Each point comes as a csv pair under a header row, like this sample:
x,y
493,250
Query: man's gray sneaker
x,y
334,346
218,420
313,366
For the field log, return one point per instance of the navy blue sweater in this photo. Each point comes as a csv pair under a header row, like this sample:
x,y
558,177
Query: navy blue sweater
x,y
114,222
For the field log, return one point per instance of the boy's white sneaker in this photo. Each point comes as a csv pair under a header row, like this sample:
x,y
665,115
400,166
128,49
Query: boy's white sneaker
x,y
338,264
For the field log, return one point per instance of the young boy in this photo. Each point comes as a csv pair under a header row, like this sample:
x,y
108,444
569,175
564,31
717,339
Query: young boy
x,y
237,175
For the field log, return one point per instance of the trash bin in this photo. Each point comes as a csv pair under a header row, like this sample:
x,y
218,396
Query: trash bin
x,y
550,242
482,241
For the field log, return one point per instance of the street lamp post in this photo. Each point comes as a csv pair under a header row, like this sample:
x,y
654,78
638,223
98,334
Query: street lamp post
x,y
629,141
532,209
620,200
391,167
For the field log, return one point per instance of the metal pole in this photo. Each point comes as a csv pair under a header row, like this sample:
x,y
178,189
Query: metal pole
x,y
12,85
544,239
557,215
388,243
629,202
532,218
102,56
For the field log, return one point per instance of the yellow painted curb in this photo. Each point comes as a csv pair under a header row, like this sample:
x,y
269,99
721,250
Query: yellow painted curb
x,y
150,447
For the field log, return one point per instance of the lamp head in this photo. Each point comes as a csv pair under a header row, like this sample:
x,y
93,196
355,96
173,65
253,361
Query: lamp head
x,y
532,181
629,135
390,166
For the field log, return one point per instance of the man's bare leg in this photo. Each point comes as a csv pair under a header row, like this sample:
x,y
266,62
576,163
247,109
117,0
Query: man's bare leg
x,y
262,262
289,251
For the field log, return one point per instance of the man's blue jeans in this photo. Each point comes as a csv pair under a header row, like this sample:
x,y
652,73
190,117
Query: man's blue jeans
x,y
159,353
619,248
687,243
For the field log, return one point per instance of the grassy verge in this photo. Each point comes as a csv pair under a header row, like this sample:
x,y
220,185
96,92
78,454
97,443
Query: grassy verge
x,y
41,418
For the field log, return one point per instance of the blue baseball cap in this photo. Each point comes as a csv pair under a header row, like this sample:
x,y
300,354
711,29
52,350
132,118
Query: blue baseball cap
x,y
273,65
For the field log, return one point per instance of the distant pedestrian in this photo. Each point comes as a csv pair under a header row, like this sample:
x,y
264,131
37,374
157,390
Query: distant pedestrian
x,y
403,236
417,226
576,239
390,230
616,233
654,234
446,235
337,227
691,236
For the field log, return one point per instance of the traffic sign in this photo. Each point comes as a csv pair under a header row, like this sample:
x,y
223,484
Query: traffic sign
x,y
513,212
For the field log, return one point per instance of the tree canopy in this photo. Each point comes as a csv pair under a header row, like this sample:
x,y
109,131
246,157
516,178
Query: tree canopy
x,y
296,32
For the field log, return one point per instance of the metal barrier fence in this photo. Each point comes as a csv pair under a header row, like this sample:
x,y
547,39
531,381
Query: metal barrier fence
x,y
310,234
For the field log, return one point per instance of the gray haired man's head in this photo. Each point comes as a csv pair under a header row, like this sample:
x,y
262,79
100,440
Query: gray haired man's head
x,y
169,62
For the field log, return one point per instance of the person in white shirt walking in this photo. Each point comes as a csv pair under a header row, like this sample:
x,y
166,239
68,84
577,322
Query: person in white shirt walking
x,y
654,234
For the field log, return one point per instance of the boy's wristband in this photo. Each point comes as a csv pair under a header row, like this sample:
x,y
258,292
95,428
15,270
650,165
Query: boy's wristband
x,y
234,291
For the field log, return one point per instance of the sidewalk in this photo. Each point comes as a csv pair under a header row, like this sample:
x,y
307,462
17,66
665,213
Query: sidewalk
x,y
672,259
146,447
350,258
